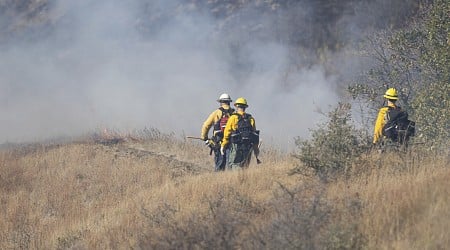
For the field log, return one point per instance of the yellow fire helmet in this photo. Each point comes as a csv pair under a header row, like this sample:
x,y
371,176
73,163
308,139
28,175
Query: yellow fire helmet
x,y
391,94
241,101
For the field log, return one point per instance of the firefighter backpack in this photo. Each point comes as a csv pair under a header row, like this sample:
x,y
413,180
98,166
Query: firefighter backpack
x,y
245,134
219,126
398,127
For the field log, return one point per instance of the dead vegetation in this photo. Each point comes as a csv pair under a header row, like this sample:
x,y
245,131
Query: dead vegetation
x,y
160,192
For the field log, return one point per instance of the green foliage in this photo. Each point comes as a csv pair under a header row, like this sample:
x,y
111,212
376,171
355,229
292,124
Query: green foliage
x,y
433,102
334,146
416,61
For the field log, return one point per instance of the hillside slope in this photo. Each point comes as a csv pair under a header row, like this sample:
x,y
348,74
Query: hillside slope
x,y
162,193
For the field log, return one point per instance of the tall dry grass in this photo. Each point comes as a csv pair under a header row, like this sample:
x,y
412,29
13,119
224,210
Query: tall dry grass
x,y
406,201
162,193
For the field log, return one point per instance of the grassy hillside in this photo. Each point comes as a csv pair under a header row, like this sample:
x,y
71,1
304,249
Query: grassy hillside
x,y
157,191
161,192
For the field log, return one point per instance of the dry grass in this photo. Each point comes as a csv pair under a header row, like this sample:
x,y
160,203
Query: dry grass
x,y
407,204
163,193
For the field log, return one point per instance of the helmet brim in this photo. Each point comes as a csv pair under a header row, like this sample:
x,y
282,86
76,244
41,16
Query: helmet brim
x,y
390,97
224,100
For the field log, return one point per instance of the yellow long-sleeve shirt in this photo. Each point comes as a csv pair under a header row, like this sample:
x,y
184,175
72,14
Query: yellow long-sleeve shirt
x,y
232,125
211,120
380,122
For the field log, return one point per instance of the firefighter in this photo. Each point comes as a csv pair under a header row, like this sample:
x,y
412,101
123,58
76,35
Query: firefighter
x,y
391,97
240,136
392,125
217,119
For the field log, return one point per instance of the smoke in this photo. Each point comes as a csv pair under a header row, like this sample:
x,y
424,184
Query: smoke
x,y
124,65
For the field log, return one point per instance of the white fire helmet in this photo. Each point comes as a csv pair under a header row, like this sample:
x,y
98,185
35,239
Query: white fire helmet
x,y
224,98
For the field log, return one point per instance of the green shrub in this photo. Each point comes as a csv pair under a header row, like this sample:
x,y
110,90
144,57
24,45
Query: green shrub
x,y
334,146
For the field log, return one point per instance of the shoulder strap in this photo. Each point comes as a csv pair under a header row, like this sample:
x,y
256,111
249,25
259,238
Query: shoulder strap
x,y
391,108
229,111
237,114
246,115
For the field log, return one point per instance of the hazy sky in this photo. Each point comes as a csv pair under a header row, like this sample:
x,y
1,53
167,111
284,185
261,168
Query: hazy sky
x,y
96,69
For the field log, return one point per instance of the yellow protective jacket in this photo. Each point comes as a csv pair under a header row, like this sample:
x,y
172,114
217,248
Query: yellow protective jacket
x,y
211,120
380,122
232,125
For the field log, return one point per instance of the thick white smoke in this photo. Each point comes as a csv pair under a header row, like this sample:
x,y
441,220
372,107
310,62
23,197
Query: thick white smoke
x,y
97,69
